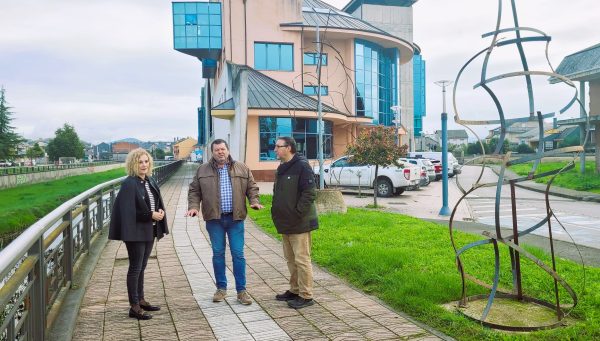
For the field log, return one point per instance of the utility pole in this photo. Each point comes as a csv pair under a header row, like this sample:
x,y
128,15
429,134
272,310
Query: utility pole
x,y
445,211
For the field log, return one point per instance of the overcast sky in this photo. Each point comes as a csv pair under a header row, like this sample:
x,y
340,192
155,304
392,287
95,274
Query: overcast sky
x,y
108,67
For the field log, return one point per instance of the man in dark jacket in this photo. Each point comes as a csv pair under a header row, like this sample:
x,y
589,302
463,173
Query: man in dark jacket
x,y
295,215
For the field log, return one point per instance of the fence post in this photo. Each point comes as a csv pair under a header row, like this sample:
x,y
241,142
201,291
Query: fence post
x,y
38,301
86,224
68,248
100,211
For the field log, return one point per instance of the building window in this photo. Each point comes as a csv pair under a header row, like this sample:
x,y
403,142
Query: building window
x,y
419,85
197,25
311,58
312,90
376,71
303,130
274,57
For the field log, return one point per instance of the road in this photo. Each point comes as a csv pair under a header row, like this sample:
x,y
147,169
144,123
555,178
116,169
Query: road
x,y
580,219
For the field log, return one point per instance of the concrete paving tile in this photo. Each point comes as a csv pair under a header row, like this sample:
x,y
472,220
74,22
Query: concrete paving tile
x,y
262,326
252,316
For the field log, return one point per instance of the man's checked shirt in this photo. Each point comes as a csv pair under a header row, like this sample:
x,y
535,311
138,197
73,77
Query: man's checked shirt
x,y
226,191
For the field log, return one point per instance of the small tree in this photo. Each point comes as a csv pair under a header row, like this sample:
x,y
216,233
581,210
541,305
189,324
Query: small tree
x,y
66,143
524,149
159,154
8,138
377,146
35,152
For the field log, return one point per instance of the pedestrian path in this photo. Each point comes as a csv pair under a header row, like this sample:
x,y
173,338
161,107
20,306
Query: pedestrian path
x,y
179,277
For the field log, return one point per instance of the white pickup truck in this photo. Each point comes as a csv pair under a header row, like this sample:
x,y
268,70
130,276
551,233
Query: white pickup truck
x,y
392,180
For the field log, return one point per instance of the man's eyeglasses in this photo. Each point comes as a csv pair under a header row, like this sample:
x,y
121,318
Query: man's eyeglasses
x,y
282,146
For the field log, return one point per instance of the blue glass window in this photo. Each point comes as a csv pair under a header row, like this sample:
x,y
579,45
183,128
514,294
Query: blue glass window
x,y
311,58
274,56
190,7
376,81
178,8
202,7
419,92
260,56
312,90
191,19
304,131
198,23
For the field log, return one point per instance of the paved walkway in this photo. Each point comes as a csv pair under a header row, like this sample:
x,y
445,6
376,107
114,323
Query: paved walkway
x,y
179,278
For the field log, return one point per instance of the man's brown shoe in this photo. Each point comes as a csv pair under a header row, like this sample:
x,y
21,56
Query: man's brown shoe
x,y
244,298
219,295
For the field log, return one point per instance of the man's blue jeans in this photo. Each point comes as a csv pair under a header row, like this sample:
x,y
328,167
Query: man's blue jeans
x,y
234,229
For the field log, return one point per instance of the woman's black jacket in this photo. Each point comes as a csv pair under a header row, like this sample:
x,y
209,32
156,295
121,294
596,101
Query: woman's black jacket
x,y
131,218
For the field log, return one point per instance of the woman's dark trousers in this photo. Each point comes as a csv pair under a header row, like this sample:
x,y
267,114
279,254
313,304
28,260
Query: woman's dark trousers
x,y
138,252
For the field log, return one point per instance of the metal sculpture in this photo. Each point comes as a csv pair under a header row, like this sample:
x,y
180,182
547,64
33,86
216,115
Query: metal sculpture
x,y
497,238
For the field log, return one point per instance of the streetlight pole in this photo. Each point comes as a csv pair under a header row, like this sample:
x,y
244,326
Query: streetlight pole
x,y
319,115
445,211
397,115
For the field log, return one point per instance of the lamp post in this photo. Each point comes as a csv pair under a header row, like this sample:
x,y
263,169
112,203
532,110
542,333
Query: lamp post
x,y
397,115
445,211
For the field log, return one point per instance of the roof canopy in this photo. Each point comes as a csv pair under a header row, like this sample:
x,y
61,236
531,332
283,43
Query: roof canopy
x,y
581,66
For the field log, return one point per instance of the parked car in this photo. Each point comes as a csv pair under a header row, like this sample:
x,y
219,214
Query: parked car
x,y
437,167
6,163
392,180
453,165
426,167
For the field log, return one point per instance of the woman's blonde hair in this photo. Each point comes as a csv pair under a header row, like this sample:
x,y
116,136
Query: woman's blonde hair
x,y
133,161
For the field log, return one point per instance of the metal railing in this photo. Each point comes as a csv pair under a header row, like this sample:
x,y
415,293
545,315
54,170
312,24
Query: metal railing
x,y
48,168
39,264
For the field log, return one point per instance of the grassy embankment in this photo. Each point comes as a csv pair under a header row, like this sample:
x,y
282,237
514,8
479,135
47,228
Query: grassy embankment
x,y
410,264
23,205
572,179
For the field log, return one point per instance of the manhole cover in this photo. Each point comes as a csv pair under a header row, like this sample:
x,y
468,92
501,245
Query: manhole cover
x,y
397,203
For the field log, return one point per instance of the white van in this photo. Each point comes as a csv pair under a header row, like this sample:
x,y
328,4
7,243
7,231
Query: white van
x,y
453,166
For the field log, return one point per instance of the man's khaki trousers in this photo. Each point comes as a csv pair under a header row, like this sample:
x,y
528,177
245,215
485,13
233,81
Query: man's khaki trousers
x,y
296,250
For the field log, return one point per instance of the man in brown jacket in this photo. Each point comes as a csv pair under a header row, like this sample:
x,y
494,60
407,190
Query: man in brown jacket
x,y
222,186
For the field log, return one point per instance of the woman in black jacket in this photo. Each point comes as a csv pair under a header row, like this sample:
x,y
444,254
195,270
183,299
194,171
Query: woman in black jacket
x,y
137,218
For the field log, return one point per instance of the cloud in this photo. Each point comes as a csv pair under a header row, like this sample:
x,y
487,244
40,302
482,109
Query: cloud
x,y
107,67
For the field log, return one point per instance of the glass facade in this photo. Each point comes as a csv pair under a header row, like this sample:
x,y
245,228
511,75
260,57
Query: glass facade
x,y
197,25
312,90
376,72
274,57
419,92
311,58
303,130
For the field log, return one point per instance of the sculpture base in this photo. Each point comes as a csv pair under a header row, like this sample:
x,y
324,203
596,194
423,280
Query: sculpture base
x,y
509,313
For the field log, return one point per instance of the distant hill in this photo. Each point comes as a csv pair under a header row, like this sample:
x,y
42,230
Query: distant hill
x,y
130,140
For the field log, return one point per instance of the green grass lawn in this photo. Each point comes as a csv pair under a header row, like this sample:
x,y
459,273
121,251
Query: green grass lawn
x,y
571,179
23,205
409,264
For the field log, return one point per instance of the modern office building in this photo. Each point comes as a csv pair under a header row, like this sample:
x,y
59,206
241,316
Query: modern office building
x,y
259,60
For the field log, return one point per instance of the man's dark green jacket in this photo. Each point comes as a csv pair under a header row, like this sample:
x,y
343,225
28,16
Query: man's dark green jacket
x,y
294,196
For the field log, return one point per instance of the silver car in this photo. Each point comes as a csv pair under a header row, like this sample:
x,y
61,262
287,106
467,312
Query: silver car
x,y
425,165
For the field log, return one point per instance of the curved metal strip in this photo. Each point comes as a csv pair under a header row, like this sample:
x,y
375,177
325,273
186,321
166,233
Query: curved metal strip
x,y
522,40
510,29
488,306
